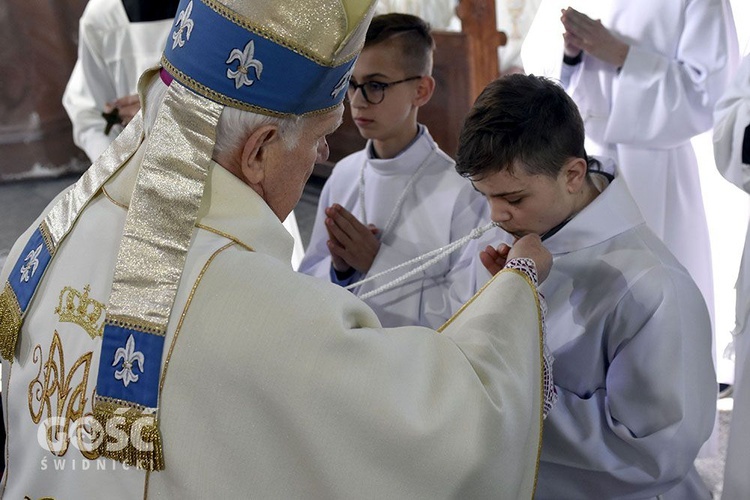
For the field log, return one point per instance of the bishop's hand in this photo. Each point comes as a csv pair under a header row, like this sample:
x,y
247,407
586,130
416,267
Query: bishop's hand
x,y
351,243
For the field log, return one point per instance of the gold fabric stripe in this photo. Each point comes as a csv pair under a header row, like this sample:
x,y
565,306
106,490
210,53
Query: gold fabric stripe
x,y
121,403
322,42
63,215
461,309
541,349
198,224
47,237
225,235
10,322
115,202
184,313
163,210
146,452
136,324
541,367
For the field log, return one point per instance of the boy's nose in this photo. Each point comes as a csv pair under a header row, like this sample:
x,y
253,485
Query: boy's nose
x,y
500,214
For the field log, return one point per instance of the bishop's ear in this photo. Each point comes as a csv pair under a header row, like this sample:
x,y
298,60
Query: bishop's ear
x,y
255,153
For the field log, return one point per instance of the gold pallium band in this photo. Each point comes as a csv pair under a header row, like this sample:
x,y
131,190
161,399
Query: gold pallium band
x,y
156,238
61,218
143,449
163,209
10,322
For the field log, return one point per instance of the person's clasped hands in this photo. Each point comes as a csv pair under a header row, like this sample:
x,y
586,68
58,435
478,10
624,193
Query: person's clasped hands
x,y
588,35
121,111
351,243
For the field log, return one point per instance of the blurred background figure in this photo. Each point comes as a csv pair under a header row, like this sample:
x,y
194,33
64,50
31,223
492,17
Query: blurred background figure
x,y
514,18
118,40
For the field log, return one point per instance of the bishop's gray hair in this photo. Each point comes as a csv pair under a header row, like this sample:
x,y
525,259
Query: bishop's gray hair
x,y
234,125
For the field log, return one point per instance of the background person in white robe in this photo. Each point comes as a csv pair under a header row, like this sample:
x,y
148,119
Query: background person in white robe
x,y
732,152
279,385
117,42
514,18
627,326
400,196
645,76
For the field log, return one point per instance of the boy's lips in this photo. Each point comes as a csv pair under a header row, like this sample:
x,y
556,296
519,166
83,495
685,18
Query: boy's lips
x,y
362,121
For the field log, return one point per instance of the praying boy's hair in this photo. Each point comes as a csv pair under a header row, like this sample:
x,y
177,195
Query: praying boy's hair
x,y
520,120
412,35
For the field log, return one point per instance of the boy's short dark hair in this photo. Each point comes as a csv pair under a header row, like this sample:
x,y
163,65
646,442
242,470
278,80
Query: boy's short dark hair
x,y
413,36
520,119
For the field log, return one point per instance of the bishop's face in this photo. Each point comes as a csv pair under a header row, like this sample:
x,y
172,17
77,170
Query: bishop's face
x,y
290,168
524,204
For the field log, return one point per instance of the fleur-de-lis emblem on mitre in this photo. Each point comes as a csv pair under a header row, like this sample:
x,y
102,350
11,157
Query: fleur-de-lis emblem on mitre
x,y
343,83
183,23
32,262
246,61
129,357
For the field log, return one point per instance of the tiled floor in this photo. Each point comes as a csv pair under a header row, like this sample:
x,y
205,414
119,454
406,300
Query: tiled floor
x,y
22,202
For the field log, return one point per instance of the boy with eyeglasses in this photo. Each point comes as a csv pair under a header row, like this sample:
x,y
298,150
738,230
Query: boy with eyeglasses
x,y
400,196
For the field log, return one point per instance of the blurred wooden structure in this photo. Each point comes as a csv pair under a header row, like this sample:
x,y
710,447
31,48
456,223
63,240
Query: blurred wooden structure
x,y
465,62
37,53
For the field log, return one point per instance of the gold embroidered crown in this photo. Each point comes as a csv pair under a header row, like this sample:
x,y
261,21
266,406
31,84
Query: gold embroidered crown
x,y
76,307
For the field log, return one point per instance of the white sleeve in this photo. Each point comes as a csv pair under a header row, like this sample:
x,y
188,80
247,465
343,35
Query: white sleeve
x,y
664,100
542,49
90,87
317,258
732,119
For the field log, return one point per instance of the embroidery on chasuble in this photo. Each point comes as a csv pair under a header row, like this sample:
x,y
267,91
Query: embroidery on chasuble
x,y
58,395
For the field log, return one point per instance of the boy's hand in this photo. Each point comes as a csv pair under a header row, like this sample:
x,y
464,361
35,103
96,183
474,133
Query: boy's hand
x,y
351,243
529,246
494,260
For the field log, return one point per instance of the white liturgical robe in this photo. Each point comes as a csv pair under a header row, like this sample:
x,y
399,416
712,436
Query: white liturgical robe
x,y
438,208
275,384
112,54
644,114
629,333
732,151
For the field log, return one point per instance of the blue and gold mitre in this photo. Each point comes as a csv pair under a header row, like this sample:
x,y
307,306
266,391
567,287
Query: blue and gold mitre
x,y
273,57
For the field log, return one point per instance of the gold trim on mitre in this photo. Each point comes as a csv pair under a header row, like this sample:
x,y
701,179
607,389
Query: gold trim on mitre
x,y
326,32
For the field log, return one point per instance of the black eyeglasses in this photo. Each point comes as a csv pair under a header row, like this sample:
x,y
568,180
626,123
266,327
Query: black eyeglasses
x,y
373,92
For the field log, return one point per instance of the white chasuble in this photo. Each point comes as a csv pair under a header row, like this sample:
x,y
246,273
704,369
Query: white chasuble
x,y
274,384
